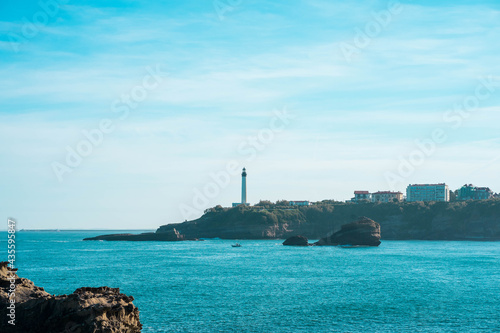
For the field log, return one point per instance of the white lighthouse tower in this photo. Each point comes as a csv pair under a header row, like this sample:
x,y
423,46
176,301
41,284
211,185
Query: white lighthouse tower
x,y
244,186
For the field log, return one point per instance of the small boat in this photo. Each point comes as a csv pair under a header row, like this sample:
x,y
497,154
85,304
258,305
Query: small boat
x,y
236,245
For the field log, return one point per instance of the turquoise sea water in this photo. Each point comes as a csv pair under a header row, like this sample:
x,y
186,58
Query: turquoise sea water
x,y
401,286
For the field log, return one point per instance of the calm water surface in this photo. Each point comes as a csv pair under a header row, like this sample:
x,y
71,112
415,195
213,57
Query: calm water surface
x,y
401,286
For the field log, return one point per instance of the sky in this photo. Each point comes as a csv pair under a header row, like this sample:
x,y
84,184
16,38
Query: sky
x,y
134,114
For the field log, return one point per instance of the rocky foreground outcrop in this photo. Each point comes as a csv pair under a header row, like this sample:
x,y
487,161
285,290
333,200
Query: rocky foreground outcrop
x,y
364,232
296,241
86,310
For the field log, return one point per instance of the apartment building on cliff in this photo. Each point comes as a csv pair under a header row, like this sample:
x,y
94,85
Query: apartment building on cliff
x,y
380,196
387,196
427,192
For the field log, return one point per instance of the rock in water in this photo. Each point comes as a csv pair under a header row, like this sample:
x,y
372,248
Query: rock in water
x,y
87,310
362,232
296,241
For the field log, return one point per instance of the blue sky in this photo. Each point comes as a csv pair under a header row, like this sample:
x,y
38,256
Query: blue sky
x,y
223,78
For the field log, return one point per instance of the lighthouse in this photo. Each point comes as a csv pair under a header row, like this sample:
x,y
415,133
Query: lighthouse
x,y
244,187
243,190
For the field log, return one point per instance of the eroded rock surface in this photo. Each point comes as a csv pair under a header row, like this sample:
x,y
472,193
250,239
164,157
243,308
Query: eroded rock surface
x,y
365,231
86,310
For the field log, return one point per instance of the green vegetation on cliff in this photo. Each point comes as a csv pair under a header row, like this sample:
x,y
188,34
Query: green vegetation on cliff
x,y
398,220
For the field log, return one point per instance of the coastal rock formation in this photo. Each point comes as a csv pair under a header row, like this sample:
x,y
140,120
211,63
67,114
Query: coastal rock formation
x,y
296,241
86,310
460,220
362,232
171,235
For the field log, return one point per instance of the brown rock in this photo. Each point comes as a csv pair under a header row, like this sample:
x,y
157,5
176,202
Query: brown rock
x,y
87,310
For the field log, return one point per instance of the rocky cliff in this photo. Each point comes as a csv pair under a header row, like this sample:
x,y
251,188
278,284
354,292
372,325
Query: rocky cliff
x,y
86,310
471,220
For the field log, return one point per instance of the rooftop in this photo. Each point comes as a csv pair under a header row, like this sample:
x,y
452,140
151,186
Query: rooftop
x,y
440,184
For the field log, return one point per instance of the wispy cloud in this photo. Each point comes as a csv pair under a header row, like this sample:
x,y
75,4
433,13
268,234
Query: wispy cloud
x,y
224,79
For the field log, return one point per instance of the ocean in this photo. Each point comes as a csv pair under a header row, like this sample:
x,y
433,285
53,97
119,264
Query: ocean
x,y
209,286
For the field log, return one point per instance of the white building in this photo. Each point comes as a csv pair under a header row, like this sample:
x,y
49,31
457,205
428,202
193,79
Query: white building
x,y
243,190
380,196
427,192
387,196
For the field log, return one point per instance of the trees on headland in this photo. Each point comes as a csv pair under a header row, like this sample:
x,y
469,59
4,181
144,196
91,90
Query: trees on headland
x,y
399,220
